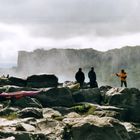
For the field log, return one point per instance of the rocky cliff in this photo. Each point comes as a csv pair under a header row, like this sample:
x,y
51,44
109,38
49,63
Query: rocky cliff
x,y
65,62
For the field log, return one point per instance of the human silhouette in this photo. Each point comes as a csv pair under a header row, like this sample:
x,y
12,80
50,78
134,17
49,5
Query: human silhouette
x,y
92,78
122,75
80,77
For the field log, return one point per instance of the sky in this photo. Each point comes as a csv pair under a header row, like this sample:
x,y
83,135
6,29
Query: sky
x,y
98,24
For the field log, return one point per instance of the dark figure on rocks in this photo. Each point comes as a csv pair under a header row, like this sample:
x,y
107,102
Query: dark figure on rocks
x,y
92,78
80,77
122,75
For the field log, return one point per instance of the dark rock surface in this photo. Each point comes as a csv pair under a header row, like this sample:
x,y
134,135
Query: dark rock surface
x,y
42,81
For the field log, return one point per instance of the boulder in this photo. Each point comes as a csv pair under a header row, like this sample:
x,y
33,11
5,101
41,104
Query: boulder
x,y
53,129
50,113
111,111
91,95
17,81
42,81
22,135
8,111
25,102
25,127
128,98
94,128
133,130
4,81
55,97
30,112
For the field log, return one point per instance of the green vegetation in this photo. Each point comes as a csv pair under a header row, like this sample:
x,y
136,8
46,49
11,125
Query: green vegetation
x,y
10,116
84,109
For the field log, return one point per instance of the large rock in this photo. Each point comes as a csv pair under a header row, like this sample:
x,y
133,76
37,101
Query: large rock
x,y
40,81
128,98
50,113
4,81
30,112
111,111
133,130
25,102
94,128
17,81
87,95
53,129
22,135
55,97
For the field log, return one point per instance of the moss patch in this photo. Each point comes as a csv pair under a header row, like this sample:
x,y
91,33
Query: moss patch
x,y
84,109
10,116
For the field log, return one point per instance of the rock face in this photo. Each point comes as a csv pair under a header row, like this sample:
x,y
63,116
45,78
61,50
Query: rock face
x,y
66,62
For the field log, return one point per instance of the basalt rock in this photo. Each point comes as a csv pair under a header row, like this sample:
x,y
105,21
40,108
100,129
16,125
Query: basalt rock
x,y
55,97
42,81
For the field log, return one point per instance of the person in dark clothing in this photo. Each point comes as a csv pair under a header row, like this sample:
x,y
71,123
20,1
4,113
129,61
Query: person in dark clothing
x,y
92,78
80,77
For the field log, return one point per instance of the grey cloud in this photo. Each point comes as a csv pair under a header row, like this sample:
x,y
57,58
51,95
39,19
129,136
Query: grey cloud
x,y
65,11
66,18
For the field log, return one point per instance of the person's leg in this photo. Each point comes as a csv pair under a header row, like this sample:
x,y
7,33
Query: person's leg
x,y
125,83
91,84
121,83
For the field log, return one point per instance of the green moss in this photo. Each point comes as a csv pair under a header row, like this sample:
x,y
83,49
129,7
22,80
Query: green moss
x,y
58,118
91,110
84,109
11,116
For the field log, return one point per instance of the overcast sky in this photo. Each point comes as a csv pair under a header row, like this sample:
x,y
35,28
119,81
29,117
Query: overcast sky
x,y
97,24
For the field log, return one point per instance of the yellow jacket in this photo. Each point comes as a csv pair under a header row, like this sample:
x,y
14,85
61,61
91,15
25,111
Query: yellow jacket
x,y
122,76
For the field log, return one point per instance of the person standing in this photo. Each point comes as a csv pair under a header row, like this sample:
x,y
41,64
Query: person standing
x,y
80,77
92,78
122,75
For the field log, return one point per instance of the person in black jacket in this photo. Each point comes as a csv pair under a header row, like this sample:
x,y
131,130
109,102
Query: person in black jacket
x,y
92,78
80,77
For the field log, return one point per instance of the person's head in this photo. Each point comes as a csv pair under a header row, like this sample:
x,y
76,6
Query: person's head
x,y
122,70
92,68
80,69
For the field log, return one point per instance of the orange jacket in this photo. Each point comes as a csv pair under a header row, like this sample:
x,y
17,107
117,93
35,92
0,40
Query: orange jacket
x,y
122,76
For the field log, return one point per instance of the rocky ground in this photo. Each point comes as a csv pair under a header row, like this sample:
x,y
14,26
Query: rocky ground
x,y
64,113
